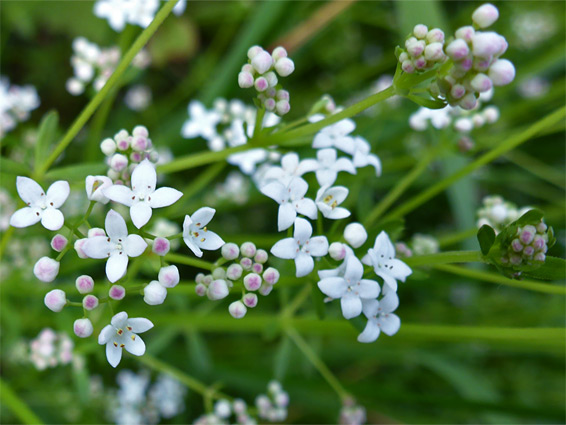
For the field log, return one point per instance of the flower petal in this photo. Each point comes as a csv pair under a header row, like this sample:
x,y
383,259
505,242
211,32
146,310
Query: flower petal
x,y
304,264
276,191
134,345
337,213
140,213
116,266
97,247
134,245
354,270
210,241
400,270
57,193
52,219
344,164
189,240
144,178
387,278
297,188
105,334
25,217
318,246
290,162
389,303
321,140
368,289
202,216
286,216
303,231
307,166
113,354
389,323
29,190
351,305
140,324
285,248
370,332
119,193
306,207
383,246
326,176
370,307
119,320
345,144
164,196
115,225
334,287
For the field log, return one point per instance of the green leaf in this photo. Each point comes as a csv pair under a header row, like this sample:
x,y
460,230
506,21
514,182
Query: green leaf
x,y
318,301
533,216
282,358
427,102
46,136
554,268
486,238
76,172
9,166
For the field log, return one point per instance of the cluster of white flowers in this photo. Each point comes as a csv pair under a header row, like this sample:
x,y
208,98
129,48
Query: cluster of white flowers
x,y
133,12
261,73
138,97
352,413
235,189
424,244
16,103
50,349
533,28
92,63
497,213
273,405
423,49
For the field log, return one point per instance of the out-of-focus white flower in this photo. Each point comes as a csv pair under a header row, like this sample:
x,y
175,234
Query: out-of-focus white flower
x,y
138,97
363,156
329,166
196,234
16,103
202,122
291,166
336,136
50,349
380,317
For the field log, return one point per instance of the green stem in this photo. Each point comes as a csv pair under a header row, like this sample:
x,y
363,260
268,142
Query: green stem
x,y
294,305
188,261
451,239
444,258
112,81
258,121
18,407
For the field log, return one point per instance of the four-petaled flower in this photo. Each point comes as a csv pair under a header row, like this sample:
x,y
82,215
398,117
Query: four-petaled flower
x,y
40,205
122,333
337,136
350,288
291,166
363,157
380,317
202,123
327,200
196,235
329,166
142,197
291,200
382,258
117,246
301,247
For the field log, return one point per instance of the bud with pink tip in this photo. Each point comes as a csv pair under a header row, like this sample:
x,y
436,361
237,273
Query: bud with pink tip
x,y
284,67
457,49
108,146
434,52
282,107
271,275
435,35
118,162
485,15
541,227
407,66
261,256
59,242
487,44
250,300
540,257
262,61
337,251
96,231
154,293
355,234
79,243
46,269
248,249
234,271
527,234
265,289
261,84
271,80
84,284
217,290
55,300
278,53
246,263
420,31
82,328
269,104
253,51
200,290
257,268
528,251
501,72
169,276
117,292
90,302
161,246
465,33
140,144
468,102
481,83
252,282
237,309
457,91
230,251
416,48
516,245
245,80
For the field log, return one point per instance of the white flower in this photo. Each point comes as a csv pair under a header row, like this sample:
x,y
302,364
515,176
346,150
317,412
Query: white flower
x,y
382,258
291,200
248,160
143,196
291,166
329,166
380,317
202,122
40,205
301,247
363,156
115,11
336,135
95,186
327,200
122,333
197,236
350,288
117,246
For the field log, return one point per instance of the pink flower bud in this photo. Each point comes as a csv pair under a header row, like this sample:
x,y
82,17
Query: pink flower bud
x,y
140,131
55,300
200,290
542,227
253,51
245,80
250,300
230,251
420,62
261,256
161,246
219,273
234,271
79,248
465,33
481,83
540,257
261,84
420,31
271,275
96,231
271,81
282,107
337,251
458,91
416,48
59,242
217,290
282,95
84,284
265,289
355,234
252,282
435,35
117,292
237,310
257,268
248,249
278,53
434,52
82,328
527,234
90,302
516,245
269,104
458,49
154,293
46,269
118,162
108,147
246,263
123,144
169,276
408,67
486,44
485,15
482,64
528,251
139,144
468,102
284,67
501,72
262,61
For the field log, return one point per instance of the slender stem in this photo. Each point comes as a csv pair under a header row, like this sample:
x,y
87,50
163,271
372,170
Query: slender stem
x,y
444,258
258,121
183,259
294,305
451,239
112,81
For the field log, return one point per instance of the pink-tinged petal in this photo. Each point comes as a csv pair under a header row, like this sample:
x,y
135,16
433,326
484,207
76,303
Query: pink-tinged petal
x,y
120,193
354,270
119,320
192,246
334,287
140,324
307,166
113,354
202,216
321,140
29,190
303,230
115,225
52,219
134,245
116,266
97,247
25,217
370,333
297,188
389,303
144,178
370,307
290,162
106,333
275,191
134,345
351,305
338,213
326,176
164,196
400,270
304,264
285,248
286,216
368,289
318,246
389,323
211,241
140,214
387,278
57,193
344,164
306,207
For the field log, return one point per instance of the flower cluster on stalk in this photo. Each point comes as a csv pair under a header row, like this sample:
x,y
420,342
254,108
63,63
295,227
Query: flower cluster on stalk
x,y
16,104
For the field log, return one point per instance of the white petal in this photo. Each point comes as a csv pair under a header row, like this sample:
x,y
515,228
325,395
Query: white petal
x,y
370,307
113,354
140,213
325,209
346,126
106,333
351,305
334,287
297,188
119,320
290,162
338,193
97,247
370,333
387,278
303,230
374,160
369,258
116,266
400,270
286,216
321,140
134,345
304,264
144,178
211,241
164,196
52,219
344,164
275,191
326,157
119,193
318,246
345,144
139,324
202,216
285,248
337,213
354,270
57,193
29,190
192,246
389,303
307,166
306,207
326,176
25,217
134,245
368,288
383,246
115,225
389,323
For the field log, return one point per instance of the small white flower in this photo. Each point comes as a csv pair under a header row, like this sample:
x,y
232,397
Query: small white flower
x,y
327,200
122,333
363,156
143,196
382,258
248,160
380,317
291,200
337,136
202,122
115,11
117,246
329,166
291,166
350,288
197,236
95,186
40,205
301,247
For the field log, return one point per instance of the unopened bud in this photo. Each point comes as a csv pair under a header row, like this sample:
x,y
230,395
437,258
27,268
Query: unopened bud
x,y
271,276
278,53
435,35
90,302
468,102
284,67
407,66
118,162
420,31
355,234
217,290
161,246
84,284
59,242
527,234
169,276
79,243
248,249
485,15
252,282
337,251
257,268
108,146
271,80
55,300
250,300
199,278
230,251
234,271
262,61
140,131
246,263
265,289
502,72
117,292
481,83
245,80
457,49
154,293
82,328
253,51
200,290
261,84
434,52
261,256
46,269
282,107
516,245
237,309
139,144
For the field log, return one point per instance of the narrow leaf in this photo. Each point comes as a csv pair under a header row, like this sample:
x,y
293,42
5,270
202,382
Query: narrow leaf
x,y
46,136
554,268
486,238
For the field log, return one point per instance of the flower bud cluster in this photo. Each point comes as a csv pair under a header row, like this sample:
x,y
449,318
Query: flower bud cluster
x,y
423,49
223,411
352,413
50,349
261,72
273,405
529,246
92,63
17,103
498,213
156,291
424,244
124,152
